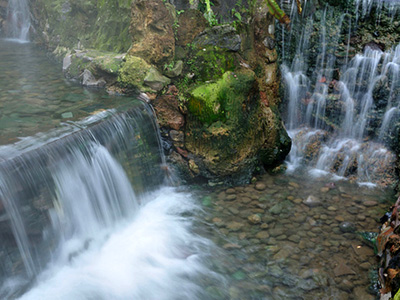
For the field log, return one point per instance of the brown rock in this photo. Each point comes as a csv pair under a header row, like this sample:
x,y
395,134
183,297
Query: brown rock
x,y
218,222
365,266
230,191
176,136
231,246
191,23
294,184
262,235
260,186
152,33
362,250
339,218
230,197
282,255
234,226
361,293
254,219
343,269
194,167
370,203
221,196
168,113
242,235
324,189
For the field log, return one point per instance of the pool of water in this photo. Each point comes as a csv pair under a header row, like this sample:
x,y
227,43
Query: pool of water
x,y
291,237
35,96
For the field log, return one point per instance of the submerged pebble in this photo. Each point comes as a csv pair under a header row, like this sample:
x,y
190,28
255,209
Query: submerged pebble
x,y
308,230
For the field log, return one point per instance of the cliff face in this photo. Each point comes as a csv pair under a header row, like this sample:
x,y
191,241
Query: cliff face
x,y
213,86
75,24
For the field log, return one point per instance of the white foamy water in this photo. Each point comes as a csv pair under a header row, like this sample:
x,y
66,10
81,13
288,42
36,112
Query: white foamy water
x,y
18,20
153,255
92,219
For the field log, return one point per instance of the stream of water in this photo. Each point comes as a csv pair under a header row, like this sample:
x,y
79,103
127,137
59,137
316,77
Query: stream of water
x,y
340,104
18,20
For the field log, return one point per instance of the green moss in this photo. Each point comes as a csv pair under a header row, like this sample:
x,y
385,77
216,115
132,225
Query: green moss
x,y
78,65
133,72
211,62
224,99
108,62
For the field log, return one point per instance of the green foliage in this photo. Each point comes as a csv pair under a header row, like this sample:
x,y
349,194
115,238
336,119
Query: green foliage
x,y
169,66
209,14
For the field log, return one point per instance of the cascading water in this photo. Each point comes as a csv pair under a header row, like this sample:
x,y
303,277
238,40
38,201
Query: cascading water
x,y
88,216
18,20
351,97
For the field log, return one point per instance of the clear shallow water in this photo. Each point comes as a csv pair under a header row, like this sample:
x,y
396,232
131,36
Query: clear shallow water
x,y
35,97
277,246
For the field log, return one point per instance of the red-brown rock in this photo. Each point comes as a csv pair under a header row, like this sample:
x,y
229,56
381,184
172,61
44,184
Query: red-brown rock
x,y
168,113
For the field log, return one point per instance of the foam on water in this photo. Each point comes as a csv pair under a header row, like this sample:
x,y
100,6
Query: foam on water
x,y
153,255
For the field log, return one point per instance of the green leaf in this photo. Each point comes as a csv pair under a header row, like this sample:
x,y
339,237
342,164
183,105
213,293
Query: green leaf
x,y
238,16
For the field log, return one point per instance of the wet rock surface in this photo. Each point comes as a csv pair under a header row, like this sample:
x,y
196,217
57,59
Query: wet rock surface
x,y
275,246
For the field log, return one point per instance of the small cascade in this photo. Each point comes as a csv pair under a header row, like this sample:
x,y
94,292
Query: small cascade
x,y
340,105
364,7
83,215
18,20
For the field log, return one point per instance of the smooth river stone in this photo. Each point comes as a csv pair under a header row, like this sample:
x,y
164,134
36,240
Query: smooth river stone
x,y
260,186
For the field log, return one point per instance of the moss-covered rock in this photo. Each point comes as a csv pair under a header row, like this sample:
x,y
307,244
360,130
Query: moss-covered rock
x,y
276,146
99,64
223,36
133,72
228,126
210,62
224,99
155,80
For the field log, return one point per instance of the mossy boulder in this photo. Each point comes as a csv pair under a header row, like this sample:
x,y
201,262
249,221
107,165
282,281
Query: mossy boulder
x,y
228,126
224,99
210,62
133,72
223,36
155,80
99,64
277,145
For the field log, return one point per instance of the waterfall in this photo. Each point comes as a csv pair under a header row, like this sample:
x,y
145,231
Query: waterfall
x,y
89,216
332,92
18,20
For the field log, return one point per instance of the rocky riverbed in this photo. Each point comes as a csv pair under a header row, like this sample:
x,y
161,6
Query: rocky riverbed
x,y
294,238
